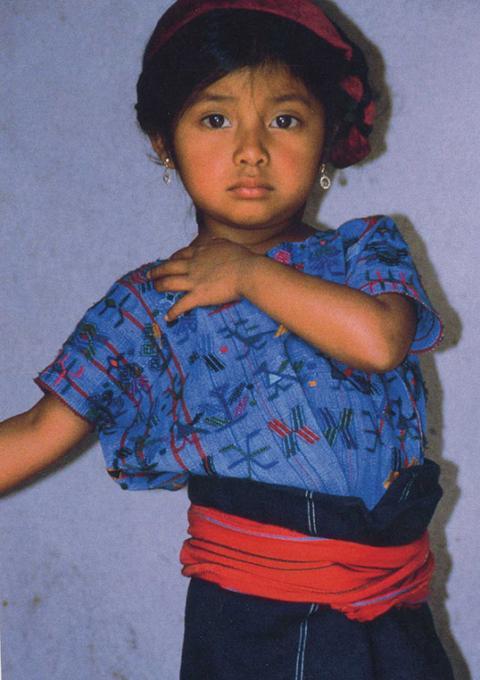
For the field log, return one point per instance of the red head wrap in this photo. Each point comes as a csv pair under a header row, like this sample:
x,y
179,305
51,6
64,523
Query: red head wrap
x,y
351,143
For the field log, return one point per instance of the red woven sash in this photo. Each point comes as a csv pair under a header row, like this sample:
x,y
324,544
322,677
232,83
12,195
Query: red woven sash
x,y
361,581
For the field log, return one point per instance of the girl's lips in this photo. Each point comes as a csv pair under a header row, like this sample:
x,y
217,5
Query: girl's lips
x,y
250,189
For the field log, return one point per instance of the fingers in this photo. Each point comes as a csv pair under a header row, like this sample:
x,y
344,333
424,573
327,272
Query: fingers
x,y
168,268
185,304
171,276
184,253
172,283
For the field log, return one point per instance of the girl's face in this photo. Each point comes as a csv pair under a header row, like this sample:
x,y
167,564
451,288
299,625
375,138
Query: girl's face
x,y
248,150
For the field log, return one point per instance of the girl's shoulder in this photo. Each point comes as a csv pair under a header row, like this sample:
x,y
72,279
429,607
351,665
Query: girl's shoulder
x,y
358,231
356,236
130,302
137,281
138,277
360,228
370,235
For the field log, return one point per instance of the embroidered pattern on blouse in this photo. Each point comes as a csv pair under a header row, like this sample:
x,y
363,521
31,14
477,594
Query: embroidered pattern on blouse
x,y
227,391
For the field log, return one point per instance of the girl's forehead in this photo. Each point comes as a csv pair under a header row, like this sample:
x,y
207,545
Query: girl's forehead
x,y
269,80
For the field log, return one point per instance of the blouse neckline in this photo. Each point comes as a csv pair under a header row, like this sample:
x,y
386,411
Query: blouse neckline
x,y
290,245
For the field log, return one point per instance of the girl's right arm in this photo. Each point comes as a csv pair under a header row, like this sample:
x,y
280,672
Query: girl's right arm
x,y
31,441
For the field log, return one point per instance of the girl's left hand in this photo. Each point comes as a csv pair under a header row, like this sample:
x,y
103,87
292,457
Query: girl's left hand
x,y
210,274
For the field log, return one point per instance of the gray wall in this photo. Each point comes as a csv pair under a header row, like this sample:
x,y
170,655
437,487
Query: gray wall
x,y
90,578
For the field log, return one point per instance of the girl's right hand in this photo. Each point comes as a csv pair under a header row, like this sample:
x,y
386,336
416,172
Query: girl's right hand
x,y
208,274
31,441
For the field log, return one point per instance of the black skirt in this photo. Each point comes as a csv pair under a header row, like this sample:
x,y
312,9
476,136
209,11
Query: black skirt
x,y
231,636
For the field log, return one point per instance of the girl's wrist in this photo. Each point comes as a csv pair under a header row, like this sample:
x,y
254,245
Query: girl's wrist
x,y
249,271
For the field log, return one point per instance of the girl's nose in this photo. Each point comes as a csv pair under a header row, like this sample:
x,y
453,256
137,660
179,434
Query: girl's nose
x,y
251,148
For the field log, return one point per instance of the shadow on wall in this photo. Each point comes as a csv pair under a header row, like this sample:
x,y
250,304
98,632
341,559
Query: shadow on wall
x,y
453,330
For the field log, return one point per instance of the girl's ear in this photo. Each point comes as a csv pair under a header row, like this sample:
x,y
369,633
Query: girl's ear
x,y
158,145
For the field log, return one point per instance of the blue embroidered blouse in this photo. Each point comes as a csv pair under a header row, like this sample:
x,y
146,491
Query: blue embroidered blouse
x,y
225,390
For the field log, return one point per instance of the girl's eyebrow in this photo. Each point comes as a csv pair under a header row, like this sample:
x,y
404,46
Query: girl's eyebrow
x,y
212,97
280,99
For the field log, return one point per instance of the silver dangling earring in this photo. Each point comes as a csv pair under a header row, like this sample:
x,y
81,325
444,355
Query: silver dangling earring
x,y
325,181
167,177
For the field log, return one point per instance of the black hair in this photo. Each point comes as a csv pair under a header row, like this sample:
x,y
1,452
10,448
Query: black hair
x,y
222,41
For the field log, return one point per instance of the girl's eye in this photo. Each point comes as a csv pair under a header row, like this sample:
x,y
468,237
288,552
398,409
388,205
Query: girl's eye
x,y
216,121
285,122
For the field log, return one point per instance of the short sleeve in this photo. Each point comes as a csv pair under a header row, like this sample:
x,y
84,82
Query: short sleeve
x,y
378,261
113,372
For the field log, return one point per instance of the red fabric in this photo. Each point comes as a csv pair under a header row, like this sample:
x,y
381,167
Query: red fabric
x,y
369,113
268,561
303,12
354,87
355,147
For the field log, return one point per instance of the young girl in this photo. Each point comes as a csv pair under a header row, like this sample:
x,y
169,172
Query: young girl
x,y
271,367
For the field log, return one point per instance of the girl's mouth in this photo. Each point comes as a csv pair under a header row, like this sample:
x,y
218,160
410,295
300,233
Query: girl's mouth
x,y
250,188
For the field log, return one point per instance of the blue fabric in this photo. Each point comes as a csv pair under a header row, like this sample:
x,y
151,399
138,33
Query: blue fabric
x,y
225,391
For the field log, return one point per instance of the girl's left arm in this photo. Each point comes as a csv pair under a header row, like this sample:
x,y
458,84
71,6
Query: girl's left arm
x,y
372,333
